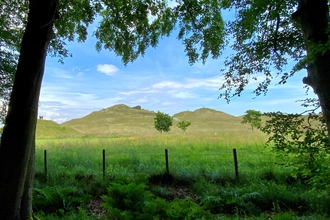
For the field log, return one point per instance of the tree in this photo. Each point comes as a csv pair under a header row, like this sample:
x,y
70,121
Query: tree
x,y
163,122
183,125
253,118
126,27
268,36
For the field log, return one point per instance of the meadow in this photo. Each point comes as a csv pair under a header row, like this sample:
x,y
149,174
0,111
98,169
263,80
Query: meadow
x,y
188,154
201,170
201,182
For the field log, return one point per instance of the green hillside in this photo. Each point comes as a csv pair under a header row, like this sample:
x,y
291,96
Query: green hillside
x,y
210,120
116,120
122,119
50,129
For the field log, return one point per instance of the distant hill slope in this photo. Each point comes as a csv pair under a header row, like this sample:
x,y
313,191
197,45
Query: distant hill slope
x,y
122,119
210,120
118,119
50,129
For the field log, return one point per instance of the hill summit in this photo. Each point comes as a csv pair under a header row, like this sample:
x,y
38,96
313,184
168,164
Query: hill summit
x,y
117,119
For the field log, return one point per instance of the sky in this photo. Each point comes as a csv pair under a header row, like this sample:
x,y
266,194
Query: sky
x,y
161,80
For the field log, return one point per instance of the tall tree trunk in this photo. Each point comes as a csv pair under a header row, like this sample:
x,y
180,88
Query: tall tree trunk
x,y
26,203
18,138
313,18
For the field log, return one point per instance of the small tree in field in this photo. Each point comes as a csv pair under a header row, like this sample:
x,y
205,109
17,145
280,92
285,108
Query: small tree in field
x,y
163,122
253,118
183,125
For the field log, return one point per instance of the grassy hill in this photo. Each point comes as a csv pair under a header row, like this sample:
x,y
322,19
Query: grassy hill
x,y
210,120
116,120
124,120
50,129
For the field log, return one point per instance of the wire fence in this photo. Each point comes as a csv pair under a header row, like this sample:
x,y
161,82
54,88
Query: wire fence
x,y
106,162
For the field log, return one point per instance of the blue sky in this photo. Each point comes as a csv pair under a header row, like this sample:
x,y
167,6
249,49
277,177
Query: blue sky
x,y
162,80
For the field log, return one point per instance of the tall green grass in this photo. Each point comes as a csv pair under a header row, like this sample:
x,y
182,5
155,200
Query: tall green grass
x,y
189,155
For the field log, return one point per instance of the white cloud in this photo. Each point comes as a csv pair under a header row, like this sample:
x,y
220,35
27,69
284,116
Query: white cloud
x,y
59,73
167,84
142,91
108,69
214,82
184,95
50,104
50,114
168,103
142,100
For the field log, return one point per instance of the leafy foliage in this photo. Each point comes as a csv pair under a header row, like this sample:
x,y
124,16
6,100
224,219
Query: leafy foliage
x,y
253,118
58,200
186,209
183,125
265,39
163,122
302,139
198,22
129,28
11,33
129,199
250,200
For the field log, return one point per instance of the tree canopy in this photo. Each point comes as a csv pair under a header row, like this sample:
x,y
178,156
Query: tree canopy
x,y
163,122
265,40
263,36
183,125
11,32
253,118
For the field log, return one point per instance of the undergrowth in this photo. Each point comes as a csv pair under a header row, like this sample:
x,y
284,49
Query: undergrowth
x,y
141,196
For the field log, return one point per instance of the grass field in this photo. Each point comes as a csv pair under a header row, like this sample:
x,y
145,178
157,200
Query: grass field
x,y
201,166
187,154
201,183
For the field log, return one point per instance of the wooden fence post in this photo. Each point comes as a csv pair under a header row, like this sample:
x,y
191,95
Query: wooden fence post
x,y
45,164
166,160
103,162
235,163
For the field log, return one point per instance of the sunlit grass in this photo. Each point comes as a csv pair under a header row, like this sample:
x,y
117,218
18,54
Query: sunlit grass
x,y
189,155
